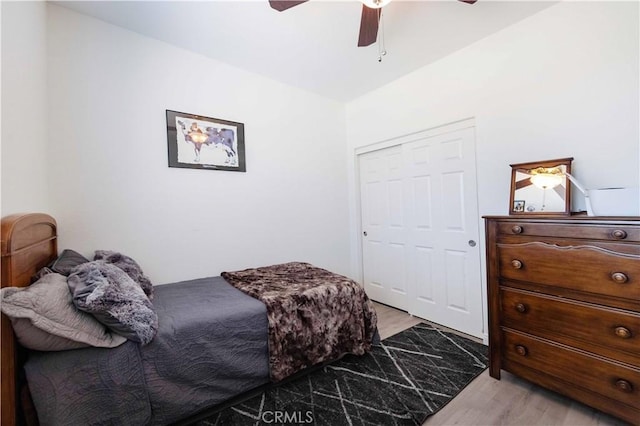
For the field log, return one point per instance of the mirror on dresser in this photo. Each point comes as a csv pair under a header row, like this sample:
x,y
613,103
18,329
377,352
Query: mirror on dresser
x,y
541,188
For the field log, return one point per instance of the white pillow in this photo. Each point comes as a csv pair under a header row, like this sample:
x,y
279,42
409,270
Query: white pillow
x,y
44,317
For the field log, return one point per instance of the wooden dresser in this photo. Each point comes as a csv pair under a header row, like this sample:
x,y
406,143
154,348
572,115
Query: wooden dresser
x,y
564,306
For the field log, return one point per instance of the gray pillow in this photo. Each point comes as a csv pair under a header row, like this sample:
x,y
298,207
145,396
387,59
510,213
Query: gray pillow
x,y
114,299
128,265
44,317
63,264
41,273
67,260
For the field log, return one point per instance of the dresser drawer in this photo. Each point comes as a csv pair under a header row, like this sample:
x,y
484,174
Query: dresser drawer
x,y
596,374
608,332
556,230
584,268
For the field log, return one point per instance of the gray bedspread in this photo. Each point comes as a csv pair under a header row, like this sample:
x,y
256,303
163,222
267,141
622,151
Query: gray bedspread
x,y
211,346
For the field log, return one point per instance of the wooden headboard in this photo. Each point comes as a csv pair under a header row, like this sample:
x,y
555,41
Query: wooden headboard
x,y
29,242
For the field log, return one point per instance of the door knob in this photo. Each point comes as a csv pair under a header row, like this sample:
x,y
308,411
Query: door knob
x,y
364,233
472,243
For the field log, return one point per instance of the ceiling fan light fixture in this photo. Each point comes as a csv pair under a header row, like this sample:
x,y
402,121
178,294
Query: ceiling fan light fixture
x,y
375,4
546,178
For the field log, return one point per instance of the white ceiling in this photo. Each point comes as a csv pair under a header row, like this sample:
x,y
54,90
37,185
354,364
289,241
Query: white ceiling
x,y
313,45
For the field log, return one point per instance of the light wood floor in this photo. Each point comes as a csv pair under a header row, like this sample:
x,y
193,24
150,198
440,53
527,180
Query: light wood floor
x,y
509,401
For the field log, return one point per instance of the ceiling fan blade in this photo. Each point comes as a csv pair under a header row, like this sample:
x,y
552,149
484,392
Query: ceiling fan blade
x,y
560,190
523,183
368,26
469,1
281,5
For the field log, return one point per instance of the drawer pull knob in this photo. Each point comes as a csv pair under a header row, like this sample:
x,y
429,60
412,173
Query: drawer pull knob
x,y
516,229
521,307
619,234
619,277
521,350
516,263
623,332
624,385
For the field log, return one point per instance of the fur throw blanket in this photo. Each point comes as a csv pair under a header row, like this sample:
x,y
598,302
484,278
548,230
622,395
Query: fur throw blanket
x,y
128,265
314,315
114,299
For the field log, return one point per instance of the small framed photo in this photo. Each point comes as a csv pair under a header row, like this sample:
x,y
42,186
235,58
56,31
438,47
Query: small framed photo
x,y
518,205
198,142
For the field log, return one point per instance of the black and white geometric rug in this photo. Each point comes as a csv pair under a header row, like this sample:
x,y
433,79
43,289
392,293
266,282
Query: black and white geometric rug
x,y
403,380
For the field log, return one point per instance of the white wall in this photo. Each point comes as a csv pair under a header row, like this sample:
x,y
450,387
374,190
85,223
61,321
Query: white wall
x,y
108,91
562,83
24,108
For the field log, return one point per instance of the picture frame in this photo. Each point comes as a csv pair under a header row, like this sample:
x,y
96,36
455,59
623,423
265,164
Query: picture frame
x,y
541,188
518,205
199,142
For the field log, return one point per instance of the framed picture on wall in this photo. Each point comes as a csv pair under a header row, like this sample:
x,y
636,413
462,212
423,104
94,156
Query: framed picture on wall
x,y
198,142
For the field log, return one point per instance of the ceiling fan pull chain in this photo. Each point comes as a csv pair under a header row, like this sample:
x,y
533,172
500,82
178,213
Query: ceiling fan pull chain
x,y
382,51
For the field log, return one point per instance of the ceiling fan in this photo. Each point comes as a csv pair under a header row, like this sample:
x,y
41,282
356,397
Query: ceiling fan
x,y
369,21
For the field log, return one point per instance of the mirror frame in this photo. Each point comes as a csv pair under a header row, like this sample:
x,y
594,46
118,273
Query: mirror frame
x,y
532,165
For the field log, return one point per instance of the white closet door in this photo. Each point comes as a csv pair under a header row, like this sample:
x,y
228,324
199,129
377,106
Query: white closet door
x,y
384,253
420,229
445,284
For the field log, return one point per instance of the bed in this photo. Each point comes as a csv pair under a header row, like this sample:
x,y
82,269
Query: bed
x,y
216,340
